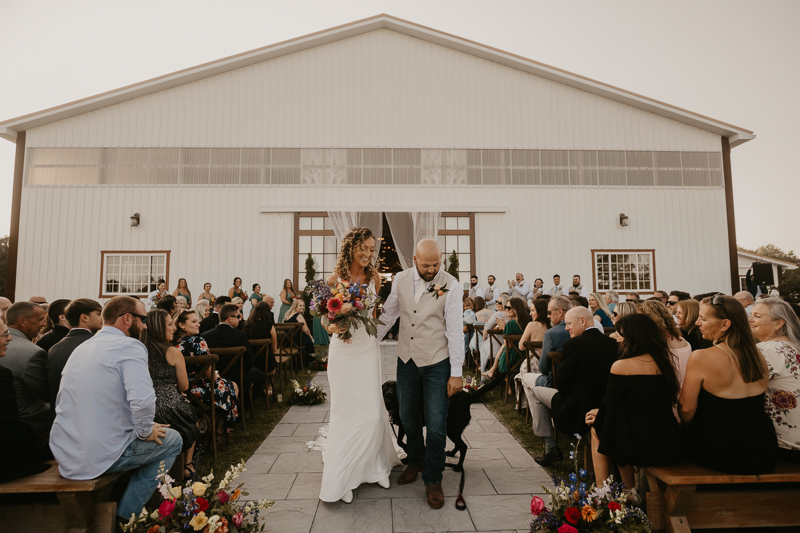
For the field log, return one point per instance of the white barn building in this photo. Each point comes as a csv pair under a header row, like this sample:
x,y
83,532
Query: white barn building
x,y
239,167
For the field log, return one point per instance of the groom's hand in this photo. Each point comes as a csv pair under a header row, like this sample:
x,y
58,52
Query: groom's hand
x,y
454,384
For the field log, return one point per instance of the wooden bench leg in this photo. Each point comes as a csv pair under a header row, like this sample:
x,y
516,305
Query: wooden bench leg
x,y
676,502
78,509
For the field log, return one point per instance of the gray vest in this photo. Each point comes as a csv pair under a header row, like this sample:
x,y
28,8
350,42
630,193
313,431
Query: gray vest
x,y
422,326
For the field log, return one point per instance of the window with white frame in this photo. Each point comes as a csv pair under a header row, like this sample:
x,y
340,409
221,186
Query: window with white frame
x,y
315,236
455,234
132,273
624,270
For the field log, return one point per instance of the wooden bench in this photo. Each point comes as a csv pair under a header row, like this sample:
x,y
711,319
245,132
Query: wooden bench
x,y
83,505
675,503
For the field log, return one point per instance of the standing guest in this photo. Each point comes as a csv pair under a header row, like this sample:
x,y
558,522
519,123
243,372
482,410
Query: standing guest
x,y
688,311
519,288
578,287
191,344
60,325
517,318
662,295
168,372
612,299
38,300
777,327
206,294
538,288
168,303
580,383
492,292
255,297
747,301
306,339
238,302
5,303
261,325
183,290
643,432
679,348
28,364
203,308
85,318
288,295
474,290
181,304
211,321
157,295
236,290
722,399
598,307
557,289
496,321
105,408
675,297
633,297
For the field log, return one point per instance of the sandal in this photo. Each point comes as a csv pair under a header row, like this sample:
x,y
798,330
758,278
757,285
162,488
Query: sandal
x,y
191,471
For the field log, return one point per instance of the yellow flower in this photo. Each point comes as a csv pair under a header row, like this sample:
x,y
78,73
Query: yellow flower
x,y
199,521
175,492
235,495
199,489
588,513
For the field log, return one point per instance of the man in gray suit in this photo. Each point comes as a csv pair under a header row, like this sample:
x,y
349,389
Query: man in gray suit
x,y
28,364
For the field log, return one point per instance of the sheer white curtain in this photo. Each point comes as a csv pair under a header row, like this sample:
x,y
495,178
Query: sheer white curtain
x,y
410,228
344,221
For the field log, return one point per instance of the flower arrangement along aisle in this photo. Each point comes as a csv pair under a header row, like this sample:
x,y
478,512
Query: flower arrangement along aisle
x,y
200,506
577,508
311,394
320,361
346,304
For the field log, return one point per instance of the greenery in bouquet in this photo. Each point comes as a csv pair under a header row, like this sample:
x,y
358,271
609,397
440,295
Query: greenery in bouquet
x,y
576,507
347,305
310,394
200,506
319,361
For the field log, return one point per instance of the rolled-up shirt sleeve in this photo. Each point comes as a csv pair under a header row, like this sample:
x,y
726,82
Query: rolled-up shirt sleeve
x,y
138,389
453,323
390,312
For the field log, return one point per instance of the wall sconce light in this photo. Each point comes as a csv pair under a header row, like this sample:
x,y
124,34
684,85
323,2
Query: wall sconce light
x,y
623,219
135,220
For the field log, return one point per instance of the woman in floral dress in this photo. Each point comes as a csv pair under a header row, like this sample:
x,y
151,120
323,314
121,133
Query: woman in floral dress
x,y
775,324
191,344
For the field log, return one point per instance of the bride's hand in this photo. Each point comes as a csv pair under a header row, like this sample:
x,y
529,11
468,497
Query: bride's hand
x,y
334,329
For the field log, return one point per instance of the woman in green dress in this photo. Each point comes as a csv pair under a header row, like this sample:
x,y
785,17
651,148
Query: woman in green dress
x,y
183,290
287,297
516,311
255,297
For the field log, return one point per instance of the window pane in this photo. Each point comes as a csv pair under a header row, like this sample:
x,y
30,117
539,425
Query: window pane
x,y
317,223
317,244
305,223
451,243
305,244
451,223
463,223
330,244
463,243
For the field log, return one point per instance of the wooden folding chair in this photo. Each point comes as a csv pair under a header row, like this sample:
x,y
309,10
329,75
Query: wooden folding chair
x,y
476,355
512,346
261,349
493,334
235,354
206,411
287,348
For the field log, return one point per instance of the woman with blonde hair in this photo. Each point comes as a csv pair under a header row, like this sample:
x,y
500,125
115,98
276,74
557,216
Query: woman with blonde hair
x,y
621,310
599,308
680,348
295,315
686,314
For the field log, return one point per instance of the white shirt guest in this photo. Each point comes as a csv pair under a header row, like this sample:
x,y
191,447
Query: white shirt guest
x,y
492,293
519,288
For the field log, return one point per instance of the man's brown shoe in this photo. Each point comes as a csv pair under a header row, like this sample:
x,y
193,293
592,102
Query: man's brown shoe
x,y
409,475
435,496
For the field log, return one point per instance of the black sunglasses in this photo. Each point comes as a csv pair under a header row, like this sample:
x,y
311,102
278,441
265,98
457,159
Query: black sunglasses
x,y
508,307
143,318
672,303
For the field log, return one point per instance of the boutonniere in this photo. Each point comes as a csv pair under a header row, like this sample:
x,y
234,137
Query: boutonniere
x,y
437,290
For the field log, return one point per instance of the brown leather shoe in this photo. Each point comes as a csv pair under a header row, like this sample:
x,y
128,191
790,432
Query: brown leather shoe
x,y
435,496
409,475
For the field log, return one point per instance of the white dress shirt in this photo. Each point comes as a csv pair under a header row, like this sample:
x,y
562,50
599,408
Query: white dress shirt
x,y
491,295
521,290
582,291
453,319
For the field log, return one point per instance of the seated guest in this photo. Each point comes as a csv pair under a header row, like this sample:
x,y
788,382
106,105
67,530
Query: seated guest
x,y
28,364
580,382
468,318
238,302
105,408
23,454
181,303
261,325
722,399
85,318
210,322
168,372
202,309
747,301
597,304
496,321
534,332
633,297
157,295
643,432
55,313
188,340
517,318
552,341
679,348
622,310
663,296
612,299
168,303
686,315
5,303
305,339
777,327
482,315
226,335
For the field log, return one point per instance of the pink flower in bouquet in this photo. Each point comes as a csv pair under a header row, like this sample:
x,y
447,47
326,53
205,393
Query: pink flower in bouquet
x,y
346,308
166,508
537,506
566,528
359,305
334,305
237,519
223,497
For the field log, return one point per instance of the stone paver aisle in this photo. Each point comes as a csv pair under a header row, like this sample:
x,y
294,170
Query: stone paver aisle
x,y
501,477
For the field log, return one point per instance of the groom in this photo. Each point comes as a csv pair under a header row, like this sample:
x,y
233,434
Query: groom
x,y
430,355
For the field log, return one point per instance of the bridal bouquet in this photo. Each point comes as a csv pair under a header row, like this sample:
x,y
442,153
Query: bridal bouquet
x,y
346,305
200,506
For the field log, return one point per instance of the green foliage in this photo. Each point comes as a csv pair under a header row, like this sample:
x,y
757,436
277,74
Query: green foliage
x,y
770,250
311,274
452,264
3,265
791,278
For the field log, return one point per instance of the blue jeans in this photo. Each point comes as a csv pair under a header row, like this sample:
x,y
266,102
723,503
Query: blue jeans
x,y
429,384
147,457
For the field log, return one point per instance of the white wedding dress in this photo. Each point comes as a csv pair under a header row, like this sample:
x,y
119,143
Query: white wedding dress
x,y
359,447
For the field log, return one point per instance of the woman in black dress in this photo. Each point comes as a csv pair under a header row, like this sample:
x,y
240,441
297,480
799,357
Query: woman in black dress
x,y
722,399
635,425
687,313
261,325
168,371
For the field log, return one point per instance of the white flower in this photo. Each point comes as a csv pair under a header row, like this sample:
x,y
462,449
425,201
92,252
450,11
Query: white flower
x,y
213,524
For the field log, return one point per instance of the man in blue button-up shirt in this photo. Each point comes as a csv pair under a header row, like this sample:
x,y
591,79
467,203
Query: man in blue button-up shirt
x,y
105,409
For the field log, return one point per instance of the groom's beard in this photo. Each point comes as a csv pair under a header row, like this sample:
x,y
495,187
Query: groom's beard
x,y
426,277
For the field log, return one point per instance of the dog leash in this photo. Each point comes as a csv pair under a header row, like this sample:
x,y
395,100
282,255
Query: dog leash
x,y
461,504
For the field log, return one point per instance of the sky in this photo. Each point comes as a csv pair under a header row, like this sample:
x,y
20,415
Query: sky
x,y
733,60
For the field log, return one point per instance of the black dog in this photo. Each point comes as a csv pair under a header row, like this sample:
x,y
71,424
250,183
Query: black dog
x,y
458,418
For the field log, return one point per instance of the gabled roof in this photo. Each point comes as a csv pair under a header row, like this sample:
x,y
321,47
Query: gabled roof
x,y
764,259
9,128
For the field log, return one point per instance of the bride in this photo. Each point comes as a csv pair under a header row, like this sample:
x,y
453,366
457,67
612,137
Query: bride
x,y
359,447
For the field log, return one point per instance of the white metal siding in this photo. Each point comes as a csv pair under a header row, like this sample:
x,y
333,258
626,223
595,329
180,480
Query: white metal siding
x,y
545,231
380,89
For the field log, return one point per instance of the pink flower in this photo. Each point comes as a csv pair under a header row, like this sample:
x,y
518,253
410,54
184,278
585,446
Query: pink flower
x,y
334,305
566,528
359,305
222,496
537,506
237,519
166,508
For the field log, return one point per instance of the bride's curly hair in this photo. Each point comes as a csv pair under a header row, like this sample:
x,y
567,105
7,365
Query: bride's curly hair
x,y
351,242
